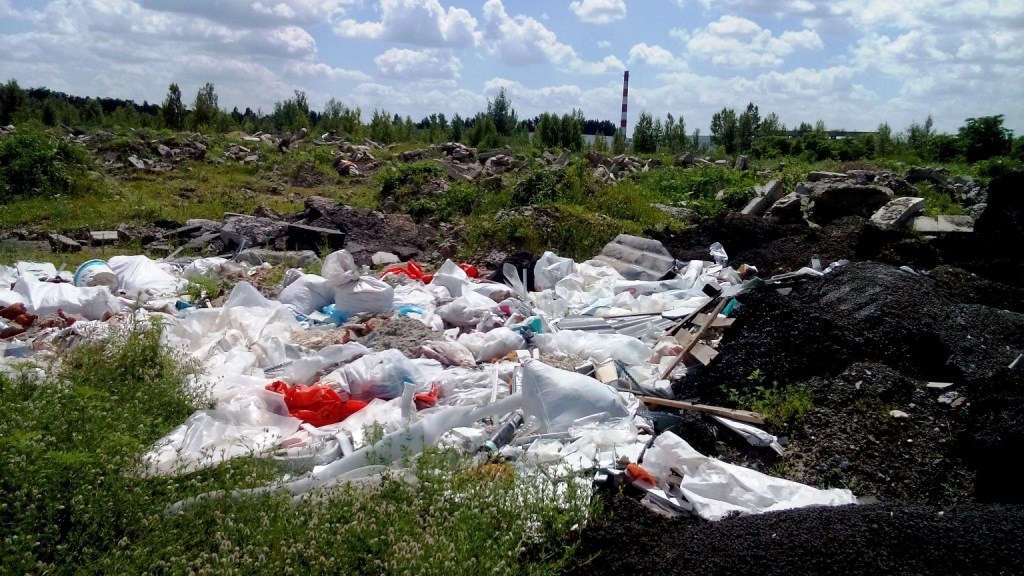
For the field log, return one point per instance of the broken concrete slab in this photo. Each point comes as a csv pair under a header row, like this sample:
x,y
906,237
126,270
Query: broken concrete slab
x,y
789,208
819,175
294,259
251,231
304,237
637,258
678,212
831,200
764,197
102,237
898,212
61,243
943,223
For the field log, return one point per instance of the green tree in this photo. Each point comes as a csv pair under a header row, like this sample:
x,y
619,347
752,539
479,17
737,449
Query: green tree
x,y
772,125
502,115
12,99
457,129
747,128
984,137
883,140
919,137
570,131
205,110
382,129
675,138
546,133
173,112
483,132
645,134
724,129
292,115
619,142
92,112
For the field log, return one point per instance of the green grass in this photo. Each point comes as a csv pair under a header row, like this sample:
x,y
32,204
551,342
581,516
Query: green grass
x,y
779,405
73,500
937,202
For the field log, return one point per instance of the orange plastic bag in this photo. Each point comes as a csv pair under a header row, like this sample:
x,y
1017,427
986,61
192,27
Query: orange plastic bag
x,y
636,473
410,269
318,405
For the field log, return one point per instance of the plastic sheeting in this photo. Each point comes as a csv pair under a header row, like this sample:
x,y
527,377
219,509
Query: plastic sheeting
x,y
717,489
554,399
45,298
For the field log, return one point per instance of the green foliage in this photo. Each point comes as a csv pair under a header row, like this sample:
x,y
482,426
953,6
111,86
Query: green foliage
x,y
674,138
200,287
937,201
12,99
31,164
173,111
293,114
340,119
724,130
645,135
778,405
696,188
502,114
983,138
538,185
619,142
74,499
205,111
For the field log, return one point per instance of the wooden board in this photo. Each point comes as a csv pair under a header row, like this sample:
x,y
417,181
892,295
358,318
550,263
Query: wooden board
x,y
741,415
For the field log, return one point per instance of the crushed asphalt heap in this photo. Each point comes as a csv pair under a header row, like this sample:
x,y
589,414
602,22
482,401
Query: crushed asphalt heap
x,y
638,368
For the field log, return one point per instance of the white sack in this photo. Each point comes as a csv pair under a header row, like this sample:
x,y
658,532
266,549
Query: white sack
x,y
549,269
142,277
308,293
44,298
204,267
305,370
380,375
493,344
599,347
468,310
339,266
451,277
209,437
365,294
716,488
557,398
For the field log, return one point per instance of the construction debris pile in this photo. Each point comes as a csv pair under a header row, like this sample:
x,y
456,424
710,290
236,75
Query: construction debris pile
x,y
572,376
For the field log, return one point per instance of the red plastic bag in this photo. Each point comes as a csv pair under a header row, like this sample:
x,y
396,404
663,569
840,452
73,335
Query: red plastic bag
x,y
427,399
470,270
318,405
410,269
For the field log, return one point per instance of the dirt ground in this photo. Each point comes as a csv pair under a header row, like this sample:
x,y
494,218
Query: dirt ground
x,y
933,467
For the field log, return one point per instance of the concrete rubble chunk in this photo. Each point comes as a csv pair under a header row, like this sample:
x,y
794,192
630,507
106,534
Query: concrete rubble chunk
x,y
637,258
102,237
380,258
303,237
742,163
898,212
291,258
943,223
789,208
819,175
251,231
134,161
831,200
937,176
764,197
61,243
678,212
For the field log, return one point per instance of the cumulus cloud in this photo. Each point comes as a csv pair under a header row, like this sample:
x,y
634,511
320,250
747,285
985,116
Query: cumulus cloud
x,y
524,41
740,42
253,12
417,22
435,65
653,55
599,11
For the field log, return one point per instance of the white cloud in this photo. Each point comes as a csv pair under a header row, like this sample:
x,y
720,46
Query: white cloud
x,y
524,41
417,22
742,43
437,65
321,70
599,11
258,13
654,55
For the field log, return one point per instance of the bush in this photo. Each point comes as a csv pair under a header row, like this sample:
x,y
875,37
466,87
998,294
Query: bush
x,y
31,164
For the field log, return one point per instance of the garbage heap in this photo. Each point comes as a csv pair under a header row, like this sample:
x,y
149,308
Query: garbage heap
x,y
348,369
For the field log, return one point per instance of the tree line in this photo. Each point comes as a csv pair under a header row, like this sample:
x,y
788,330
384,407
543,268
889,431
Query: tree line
x,y
731,132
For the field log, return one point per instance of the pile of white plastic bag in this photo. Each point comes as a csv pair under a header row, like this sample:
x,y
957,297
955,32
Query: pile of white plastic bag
x,y
486,364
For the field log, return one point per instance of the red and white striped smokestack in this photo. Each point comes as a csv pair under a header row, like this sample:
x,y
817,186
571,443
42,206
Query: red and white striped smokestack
x,y
625,93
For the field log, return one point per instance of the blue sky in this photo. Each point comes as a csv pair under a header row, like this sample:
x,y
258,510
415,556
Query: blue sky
x,y
851,63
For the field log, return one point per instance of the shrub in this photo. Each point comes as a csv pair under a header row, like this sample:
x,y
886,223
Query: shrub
x,y
33,165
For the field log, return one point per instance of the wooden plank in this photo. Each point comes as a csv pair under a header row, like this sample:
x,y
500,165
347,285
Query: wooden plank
x,y
703,353
741,415
717,322
700,334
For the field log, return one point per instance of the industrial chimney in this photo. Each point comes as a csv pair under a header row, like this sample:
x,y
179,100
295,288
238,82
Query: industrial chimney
x,y
625,92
